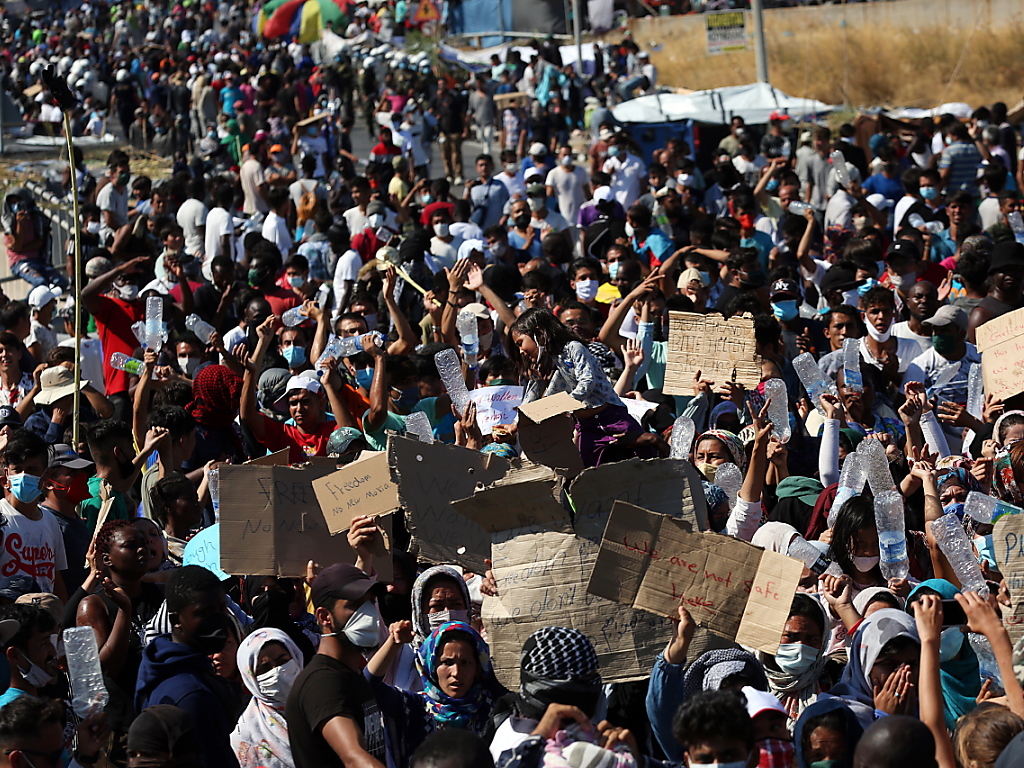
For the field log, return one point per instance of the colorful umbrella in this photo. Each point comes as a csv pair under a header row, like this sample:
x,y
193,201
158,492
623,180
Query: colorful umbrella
x,y
303,19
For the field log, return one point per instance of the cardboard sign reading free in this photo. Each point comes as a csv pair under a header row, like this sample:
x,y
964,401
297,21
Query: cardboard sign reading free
x,y
735,589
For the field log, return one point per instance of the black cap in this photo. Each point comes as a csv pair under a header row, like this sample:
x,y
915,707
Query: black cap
x,y
9,416
63,455
785,287
838,279
906,249
1008,253
340,581
13,587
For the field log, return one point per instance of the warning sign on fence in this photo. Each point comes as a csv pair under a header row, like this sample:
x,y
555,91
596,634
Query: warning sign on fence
x,y
726,31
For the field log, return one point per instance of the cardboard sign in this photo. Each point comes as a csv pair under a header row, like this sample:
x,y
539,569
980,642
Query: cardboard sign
x,y
735,589
271,523
546,433
542,568
363,487
669,486
638,408
204,549
1001,342
722,350
278,458
430,477
496,405
1008,540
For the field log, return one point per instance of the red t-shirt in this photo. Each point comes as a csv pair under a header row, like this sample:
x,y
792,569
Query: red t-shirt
x,y
383,150
366,244
281,300
428,211
176,290
278,436
114,318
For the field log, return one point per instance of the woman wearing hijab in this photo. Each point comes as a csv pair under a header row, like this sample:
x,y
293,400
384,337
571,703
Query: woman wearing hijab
x,y
269,600
826,735
884,655
958,666
268,662
458,686
216,394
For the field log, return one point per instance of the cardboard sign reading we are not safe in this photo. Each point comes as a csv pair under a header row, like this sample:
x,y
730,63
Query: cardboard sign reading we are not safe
x,y
1008,541
735,589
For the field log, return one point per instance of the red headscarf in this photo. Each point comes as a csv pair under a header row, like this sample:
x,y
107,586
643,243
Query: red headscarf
x,y
216,394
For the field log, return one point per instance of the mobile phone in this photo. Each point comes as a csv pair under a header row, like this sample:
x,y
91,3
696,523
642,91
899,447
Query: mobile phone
x,y
953,614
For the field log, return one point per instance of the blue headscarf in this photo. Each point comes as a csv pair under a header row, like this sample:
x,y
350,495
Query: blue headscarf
x,y
853,728
473,709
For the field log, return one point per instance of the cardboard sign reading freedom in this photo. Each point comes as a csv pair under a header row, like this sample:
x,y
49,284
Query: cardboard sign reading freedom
x,y
1008,540
735,589
1001,342
722,350
362,488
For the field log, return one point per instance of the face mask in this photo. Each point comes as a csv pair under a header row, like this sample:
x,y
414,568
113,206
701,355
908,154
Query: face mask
x,y
441,229
363,627
950,642
613,151
296,281
78,491
510,169
879,336
629,229
535,203
24,486
188,365
708,470
127,292
377,220
435,620
426,198
795,658
772,185
485,341
851,298
522,221
408,398
275,684
860,222
944,345
866,286
774,752
586,290
902,281
364,378
746,220
294,355
211,635
986,549
613,269
255,277
929,193
565,162
497,249
865,564
92,227
123,178
35,675
785,310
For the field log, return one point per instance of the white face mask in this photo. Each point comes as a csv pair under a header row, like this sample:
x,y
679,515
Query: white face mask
x,y
275,684
851,298
902,281
860,222
93,227
497,249
441,229
35,675
188,365
865,564
127,292
586,290
511,168
435,620
879,336
629,230
377,220
795,658
536,204
565,161
363,627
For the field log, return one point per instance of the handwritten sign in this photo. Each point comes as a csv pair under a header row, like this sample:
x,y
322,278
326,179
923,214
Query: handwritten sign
x,y
1008,540
361,488
204,549
546,433
722,350
1001,342
271,523
542,567
669,486
735,589
496,405
429,478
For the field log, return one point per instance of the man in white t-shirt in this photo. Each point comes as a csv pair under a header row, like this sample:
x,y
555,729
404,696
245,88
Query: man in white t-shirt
x,y
275,226
569,184
253,180
191,218
113,202
220,229
346,273
33,543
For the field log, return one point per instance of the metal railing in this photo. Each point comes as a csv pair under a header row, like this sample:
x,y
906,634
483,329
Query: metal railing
x,y
62,222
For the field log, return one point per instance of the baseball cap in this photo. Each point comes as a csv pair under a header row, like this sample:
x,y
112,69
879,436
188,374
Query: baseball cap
x,y
9,416
478,309
538,150
778,116
45,600
276,148
98,265
340,581
690,274
760,701
784,287
63,455
295,383
13,587
341,439
55,383
948,314
838,279
260,136
906,249
535,190
375,207
532,173
40,296
602,193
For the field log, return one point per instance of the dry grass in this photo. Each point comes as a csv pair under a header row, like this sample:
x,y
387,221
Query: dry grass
x,y
881,67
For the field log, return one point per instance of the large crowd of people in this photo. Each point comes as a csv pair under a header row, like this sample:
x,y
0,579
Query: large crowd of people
x,y
279,291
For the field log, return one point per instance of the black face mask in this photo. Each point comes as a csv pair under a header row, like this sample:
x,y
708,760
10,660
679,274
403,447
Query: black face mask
x,y
125,467
211,635
522,220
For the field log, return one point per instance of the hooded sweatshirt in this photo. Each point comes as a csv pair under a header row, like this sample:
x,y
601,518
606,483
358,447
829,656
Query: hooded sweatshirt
x,y
173,673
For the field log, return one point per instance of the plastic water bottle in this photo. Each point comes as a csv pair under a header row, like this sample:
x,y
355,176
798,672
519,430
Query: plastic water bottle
x,y
934,437
466,323
450,369
122,362
200,328
682,437
293,316
139,329
89,694
892,538
988,509
417,424
852,377
917,222
812,558
1017,225
154,322
729,478
876,464
839,165
975,390
988,666
813,379
799,207
952,540
213,483
851,483
778,408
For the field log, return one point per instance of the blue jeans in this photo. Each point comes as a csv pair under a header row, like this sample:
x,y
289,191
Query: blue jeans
x,y
36,272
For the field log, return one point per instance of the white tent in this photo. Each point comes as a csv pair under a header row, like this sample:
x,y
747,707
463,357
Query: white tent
x,y
754,103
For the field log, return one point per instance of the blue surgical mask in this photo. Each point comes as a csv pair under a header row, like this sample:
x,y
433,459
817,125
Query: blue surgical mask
x,y
613,151
929,193
294,355
772,185
866,286
364,378
795,658
296,281
24,486
613,269
785,310
986,549
408,398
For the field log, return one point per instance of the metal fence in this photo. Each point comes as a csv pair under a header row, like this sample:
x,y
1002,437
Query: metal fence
x,y
62,222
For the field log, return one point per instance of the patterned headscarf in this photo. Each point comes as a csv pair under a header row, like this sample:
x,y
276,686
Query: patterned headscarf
x,y
472,710
419,605
710,669
216,394
732,444
558,665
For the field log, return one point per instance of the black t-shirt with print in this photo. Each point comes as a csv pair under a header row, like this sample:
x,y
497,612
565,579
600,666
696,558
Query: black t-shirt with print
x,y
326,689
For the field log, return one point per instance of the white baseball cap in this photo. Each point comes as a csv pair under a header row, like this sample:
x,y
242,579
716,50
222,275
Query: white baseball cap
x,y
538,150
296,383
40,296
